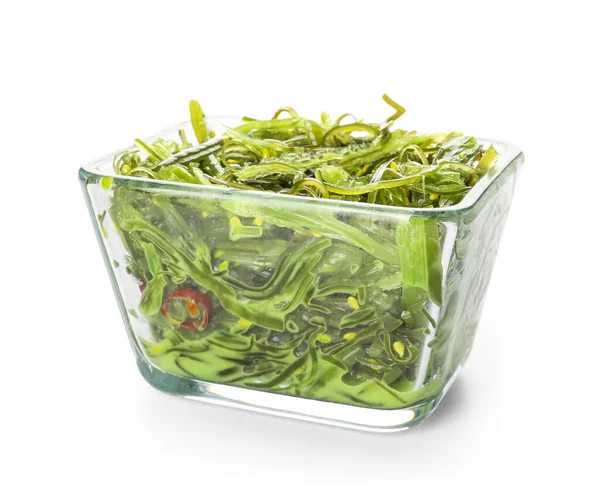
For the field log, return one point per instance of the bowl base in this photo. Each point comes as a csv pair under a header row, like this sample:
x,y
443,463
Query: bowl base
x,y
360,418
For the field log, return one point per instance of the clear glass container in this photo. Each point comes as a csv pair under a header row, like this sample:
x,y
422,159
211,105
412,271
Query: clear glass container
x,y
352,314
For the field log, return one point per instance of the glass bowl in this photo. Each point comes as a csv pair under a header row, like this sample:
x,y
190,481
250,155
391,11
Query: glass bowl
x,y
339,312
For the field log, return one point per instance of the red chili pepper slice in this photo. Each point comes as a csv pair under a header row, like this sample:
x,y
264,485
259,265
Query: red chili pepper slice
x,y
192,307
192,298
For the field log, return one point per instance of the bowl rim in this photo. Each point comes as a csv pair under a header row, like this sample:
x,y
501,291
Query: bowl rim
x,y
508,153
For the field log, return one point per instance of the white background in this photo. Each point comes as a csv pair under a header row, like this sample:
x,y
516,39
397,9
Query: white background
x,y
80,79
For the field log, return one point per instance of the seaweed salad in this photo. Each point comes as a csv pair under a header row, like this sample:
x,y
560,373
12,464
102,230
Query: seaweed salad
x,y
305,296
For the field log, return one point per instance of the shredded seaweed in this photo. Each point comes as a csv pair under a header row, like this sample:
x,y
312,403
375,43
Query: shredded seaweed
x,y
290,154
311,302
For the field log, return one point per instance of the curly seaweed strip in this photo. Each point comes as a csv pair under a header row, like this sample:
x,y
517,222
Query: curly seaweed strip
x,y
338,363
331,135
310,182
440,190
460,167
417,150
228,345
288,110
126,161
266,146
362,315
338,288
286,374
389,390
148,149
314,361
274,356
385,338
289,346
236,145
399,109
378,174
260,373
185,144
429,318
371,187
204,349
186,370
229,184
198,123
488,159
265,169
141,171
318,308
339,120
286,270
362,335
